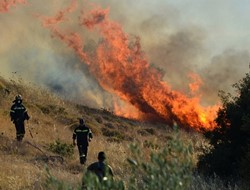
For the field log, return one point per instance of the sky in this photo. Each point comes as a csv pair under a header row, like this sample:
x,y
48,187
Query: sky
x,y
207,37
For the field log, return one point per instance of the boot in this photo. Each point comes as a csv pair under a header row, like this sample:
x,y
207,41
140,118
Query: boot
x,y
82,159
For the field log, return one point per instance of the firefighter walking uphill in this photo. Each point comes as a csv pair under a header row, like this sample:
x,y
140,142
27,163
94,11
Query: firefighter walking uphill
x,y
18,115
83,135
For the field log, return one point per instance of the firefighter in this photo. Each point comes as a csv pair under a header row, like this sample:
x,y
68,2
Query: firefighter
x,y
82,135
102,170
18,115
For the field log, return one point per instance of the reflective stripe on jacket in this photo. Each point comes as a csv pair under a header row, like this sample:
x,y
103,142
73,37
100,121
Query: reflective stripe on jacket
x,y
82,134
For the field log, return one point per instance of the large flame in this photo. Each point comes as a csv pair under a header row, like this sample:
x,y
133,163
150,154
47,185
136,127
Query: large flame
x,y
121,68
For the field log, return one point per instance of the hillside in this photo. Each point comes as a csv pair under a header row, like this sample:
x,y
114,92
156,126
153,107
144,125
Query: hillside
x,y
24,166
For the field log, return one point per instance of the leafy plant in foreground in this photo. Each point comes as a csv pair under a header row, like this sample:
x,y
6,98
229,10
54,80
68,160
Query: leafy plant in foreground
x,y
229,157
170,168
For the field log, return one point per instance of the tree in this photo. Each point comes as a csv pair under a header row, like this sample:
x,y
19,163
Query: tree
x,y
229,156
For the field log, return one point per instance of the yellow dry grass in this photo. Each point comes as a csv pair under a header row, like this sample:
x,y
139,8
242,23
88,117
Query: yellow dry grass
x,y
52,118
17,174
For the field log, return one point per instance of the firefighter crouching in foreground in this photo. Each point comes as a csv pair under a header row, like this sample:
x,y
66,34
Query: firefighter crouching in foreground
x,y
101,169
82,135
18,115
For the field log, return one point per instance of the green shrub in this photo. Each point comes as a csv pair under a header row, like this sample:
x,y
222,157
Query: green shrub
x,y
229,157
91,182
169,168
61,148
113,133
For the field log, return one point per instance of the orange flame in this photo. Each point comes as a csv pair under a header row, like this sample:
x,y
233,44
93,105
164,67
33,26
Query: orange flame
x,y
60,16
5,5
197,82
121,68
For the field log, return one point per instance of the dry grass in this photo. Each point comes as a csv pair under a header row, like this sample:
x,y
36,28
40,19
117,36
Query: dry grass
x,y
24,166
16,173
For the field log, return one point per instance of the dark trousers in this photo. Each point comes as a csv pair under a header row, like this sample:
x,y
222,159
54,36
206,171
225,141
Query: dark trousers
x,y
20,130
83,152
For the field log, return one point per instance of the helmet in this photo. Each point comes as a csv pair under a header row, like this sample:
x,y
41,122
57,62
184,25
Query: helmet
x,y
81,121
18,99
101,156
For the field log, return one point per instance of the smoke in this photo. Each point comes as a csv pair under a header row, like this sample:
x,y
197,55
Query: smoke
x,y
223,71
175,49
30,51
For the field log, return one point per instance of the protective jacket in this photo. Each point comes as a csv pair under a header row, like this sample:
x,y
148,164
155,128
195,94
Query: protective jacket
x,y
82,134
18,113
102,170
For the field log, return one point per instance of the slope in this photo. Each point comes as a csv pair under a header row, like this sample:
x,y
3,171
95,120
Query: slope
x,y
25,165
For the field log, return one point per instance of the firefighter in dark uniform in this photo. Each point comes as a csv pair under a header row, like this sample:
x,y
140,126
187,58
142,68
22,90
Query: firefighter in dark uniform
x,y
18,115
82,135
102,170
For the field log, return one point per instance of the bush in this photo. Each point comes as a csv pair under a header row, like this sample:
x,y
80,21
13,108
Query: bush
x,y
229,157
170,168
91,182
61,148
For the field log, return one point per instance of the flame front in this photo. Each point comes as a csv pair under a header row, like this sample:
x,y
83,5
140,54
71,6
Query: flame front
x,y
121,68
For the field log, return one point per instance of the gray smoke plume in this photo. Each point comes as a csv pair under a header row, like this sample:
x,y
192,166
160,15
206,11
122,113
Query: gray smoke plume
x,y
175,48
